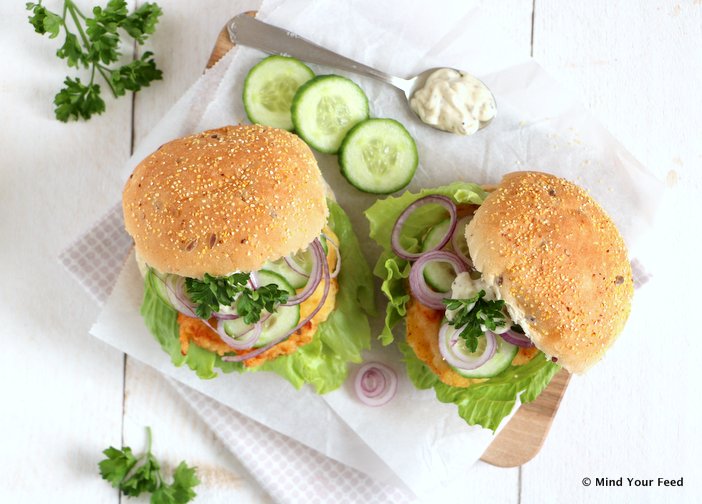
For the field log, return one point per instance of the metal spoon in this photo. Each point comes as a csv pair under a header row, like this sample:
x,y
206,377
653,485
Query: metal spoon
x,y
246,30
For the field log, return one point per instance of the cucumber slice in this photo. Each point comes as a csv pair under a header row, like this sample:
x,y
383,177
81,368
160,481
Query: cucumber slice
x,y
325,109
279,323
438,275
504,354
269,89
378,156
285,318
303,259
281,268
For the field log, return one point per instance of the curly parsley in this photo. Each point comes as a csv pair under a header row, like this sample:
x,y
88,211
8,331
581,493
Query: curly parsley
x,y
212,292
94,43
474,313
134,476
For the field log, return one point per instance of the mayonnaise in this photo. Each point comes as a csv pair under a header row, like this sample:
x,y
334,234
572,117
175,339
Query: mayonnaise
x,y
465,287
454,101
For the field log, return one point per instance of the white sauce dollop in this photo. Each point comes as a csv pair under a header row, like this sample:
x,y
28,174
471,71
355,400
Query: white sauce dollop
x,y
454,101
465,287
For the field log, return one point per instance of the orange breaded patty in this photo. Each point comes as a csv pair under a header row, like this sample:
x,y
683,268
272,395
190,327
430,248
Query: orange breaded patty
x,y
423,325
198,332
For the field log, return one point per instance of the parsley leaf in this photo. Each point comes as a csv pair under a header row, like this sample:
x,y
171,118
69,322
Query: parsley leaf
x,y
472,314
72,52
134,476
145,479
142,22
78,100
117,464
184,479
135,75
44,21
212,292
94,43
252,302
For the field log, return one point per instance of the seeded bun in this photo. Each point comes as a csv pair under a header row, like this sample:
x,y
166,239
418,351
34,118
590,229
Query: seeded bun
x,y
224,200
556,258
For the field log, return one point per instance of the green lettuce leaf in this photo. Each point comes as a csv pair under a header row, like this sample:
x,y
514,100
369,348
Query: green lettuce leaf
x,y
323,363
394,271
486,403
489,402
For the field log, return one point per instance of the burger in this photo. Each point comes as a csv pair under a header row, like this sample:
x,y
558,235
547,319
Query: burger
x,y
500,287
248,262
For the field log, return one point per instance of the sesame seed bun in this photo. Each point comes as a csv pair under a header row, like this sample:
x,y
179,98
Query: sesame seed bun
x,y
556,258
224,200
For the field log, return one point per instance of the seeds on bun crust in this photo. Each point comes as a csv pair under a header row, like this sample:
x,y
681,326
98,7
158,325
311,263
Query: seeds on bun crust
x,y
556,258
224,200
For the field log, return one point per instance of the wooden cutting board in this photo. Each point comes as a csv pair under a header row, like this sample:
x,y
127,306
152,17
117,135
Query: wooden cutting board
x,y
522,438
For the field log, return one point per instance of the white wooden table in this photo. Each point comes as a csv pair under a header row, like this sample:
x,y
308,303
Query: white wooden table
x,y
66,396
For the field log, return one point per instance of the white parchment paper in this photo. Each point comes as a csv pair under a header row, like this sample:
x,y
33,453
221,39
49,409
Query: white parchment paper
x,y
415,440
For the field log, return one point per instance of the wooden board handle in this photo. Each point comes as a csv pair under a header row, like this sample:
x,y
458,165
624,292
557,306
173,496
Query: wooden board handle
x,y
524,435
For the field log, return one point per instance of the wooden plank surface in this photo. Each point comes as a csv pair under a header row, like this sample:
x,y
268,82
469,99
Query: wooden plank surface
x,y
620,420
636,64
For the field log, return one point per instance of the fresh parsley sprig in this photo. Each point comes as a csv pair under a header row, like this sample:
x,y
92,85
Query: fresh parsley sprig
x,y
472,314
94,43
136,475
211,292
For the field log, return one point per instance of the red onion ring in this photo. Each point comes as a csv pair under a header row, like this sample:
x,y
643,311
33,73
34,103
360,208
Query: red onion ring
x,y
375,384
337,266
225,316
418,285
253,281
245,340
397,230
319,262
458,235
175,291
292,264
320,258
515,338
462,360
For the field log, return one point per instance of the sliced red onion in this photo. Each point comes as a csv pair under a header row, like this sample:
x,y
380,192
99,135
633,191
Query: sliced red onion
x,y
253,280
397,230
375,384
243,341
225,316
320,259
459,238
457,355
418,284
515,338
293,265
175,290
337,266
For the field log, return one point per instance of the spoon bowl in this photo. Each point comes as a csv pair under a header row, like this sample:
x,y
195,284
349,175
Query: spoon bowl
x,y
248,31
413,84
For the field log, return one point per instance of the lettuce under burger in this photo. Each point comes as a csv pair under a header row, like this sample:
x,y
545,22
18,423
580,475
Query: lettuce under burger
x,y
500,289
248,265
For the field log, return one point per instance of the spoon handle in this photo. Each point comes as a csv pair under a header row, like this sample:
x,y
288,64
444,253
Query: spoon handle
x,y
245,30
